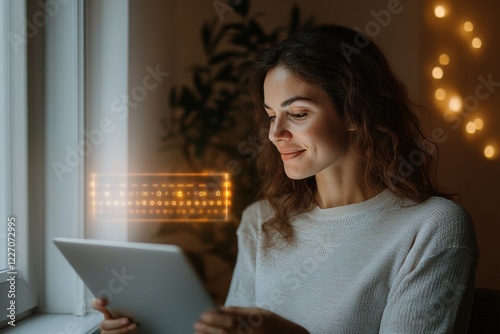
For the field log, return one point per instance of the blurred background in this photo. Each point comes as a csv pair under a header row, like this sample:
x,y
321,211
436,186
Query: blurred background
x,y
445,51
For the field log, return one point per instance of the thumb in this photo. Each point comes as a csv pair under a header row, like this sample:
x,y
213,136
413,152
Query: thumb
x,y
100,305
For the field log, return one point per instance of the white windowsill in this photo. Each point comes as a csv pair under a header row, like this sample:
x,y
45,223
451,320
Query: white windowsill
x,y
57,324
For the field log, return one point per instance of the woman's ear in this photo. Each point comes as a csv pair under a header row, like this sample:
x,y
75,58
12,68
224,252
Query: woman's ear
x,y
351,128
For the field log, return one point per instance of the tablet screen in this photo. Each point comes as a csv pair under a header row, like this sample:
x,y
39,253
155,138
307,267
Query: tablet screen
x,y
153,284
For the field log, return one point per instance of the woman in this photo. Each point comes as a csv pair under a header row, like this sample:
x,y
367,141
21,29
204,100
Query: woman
x,y
352,235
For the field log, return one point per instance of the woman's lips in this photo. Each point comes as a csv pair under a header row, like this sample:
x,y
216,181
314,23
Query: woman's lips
x,y
290,155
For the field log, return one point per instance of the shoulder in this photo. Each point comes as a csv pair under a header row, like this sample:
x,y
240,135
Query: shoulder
x,y
257,210
442,207
443,221
255,215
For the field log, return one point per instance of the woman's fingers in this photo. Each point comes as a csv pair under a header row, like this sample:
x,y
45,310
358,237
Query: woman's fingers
x,y
202,328
216,318
117,326
110,325
214,322
100,305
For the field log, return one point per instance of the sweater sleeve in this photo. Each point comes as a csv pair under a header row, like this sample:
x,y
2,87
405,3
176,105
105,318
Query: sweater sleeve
x,y
242,288
435,291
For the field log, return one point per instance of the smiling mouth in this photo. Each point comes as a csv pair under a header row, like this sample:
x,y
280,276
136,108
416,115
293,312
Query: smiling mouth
x,y
290,155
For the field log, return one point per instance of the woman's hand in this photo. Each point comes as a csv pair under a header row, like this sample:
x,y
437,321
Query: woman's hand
x,y
110,325
241,320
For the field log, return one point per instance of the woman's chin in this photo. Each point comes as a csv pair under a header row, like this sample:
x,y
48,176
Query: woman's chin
x,y
296,175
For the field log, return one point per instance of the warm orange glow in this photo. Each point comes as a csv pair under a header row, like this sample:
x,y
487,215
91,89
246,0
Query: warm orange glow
x,y
186,197
455,104
477,43
489,152
479,123
470,127
444,59
440,11
440,94
468,26
437,72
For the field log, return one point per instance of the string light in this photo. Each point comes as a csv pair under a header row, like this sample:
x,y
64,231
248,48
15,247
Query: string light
x,y
479,123
489,152
474,126
444,59
439,11
455,104
440,94
470,127
437,72
468,26
476,43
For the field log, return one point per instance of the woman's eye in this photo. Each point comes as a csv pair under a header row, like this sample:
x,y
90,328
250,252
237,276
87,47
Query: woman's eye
x,y
272,118
298,116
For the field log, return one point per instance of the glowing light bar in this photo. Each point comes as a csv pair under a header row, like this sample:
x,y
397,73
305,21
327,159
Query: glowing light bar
x,y
187,197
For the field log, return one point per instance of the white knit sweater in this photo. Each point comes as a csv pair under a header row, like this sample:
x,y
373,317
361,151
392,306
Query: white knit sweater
x,y
380,266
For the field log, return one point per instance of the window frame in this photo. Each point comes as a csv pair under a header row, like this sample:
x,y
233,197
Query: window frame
x,y
13,63
54,74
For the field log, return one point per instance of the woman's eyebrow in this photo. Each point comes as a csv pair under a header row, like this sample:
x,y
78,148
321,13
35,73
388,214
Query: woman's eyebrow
x,y
291,100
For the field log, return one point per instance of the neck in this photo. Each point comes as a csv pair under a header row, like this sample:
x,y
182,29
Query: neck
x,y
342,186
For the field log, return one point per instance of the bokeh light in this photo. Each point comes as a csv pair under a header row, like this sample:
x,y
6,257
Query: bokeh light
x,y
455,104
479,123
444,59
440,94
440,11
489,151
470,127
437,72
468,26
477,43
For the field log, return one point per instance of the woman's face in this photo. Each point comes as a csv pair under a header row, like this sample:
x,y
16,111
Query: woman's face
x,y
305,127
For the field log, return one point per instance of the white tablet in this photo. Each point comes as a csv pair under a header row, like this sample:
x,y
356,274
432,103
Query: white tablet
x,y
153,284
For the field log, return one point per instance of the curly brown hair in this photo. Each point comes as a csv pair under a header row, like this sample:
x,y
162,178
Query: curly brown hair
x,y
389,141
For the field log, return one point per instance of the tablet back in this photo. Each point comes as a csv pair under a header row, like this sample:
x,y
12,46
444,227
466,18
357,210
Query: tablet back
x,y
153,284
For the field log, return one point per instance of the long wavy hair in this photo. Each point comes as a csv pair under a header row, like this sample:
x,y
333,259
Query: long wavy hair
x,y
388,140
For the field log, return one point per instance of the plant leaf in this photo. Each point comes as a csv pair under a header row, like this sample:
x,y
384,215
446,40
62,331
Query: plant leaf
x,y
206,32
241,39
188,100
203,85
256,30
240,6
226,55
226,74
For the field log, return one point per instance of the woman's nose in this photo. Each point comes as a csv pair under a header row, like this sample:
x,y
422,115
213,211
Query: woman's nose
x,y
279,131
